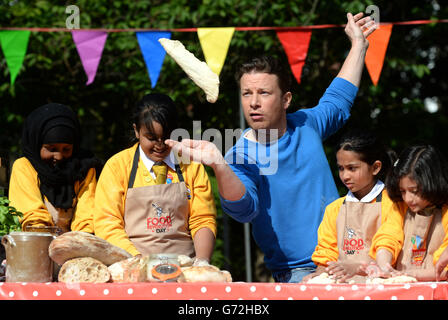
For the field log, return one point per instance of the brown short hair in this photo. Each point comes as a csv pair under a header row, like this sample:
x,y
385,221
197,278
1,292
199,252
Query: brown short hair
x,y
266,64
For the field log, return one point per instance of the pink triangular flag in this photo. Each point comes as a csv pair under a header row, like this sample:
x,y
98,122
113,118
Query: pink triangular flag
x,y
296,45
90,45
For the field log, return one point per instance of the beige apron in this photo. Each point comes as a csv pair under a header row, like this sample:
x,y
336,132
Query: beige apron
x,y
156,217
356,224
62,218
423,235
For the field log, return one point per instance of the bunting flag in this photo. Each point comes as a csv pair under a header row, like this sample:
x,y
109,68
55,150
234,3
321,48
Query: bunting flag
x,y
90,45
215,44
376,52
153,52
295,44
14,45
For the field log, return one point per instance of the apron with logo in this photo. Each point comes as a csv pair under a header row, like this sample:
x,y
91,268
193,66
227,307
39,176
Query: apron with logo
x,y
156,217
423,235
62,218
356,224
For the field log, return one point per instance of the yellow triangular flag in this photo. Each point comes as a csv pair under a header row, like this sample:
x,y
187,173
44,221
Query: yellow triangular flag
x,y
215,43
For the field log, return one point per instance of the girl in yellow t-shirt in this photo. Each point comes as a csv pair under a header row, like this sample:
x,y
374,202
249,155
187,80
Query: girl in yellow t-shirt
x,y
146,201
349,223
419,183
53,184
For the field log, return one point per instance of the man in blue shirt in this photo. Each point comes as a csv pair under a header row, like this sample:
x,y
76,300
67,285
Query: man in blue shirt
x,y
277,176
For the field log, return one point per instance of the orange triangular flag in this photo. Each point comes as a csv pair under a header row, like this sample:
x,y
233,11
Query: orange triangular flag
x,y
296,45
376,52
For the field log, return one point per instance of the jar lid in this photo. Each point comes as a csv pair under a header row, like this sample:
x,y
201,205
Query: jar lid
x,y
166,272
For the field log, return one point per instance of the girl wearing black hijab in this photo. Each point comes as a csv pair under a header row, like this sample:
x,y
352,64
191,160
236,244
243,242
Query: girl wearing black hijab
x,y
54,183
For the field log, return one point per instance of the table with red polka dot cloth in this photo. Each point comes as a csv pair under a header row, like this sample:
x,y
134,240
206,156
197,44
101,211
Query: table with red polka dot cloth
x,y
222,291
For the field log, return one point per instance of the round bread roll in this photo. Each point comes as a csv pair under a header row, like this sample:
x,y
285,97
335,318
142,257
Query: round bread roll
x,y
84,270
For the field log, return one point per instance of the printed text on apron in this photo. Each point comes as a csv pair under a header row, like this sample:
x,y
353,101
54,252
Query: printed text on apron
x,y
156,217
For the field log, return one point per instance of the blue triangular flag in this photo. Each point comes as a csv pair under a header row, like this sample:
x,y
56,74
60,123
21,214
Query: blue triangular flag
x,y
153,52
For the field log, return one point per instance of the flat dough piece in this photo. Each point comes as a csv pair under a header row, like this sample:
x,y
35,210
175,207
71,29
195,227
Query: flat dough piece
x,y
197,70
391,280
323,278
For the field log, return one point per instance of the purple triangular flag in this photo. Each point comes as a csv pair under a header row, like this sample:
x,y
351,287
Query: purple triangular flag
x,y
153,52
90,45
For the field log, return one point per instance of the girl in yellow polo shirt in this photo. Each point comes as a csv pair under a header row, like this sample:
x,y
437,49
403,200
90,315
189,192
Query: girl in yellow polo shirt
x,y
53,184
349,223
419,182
146,202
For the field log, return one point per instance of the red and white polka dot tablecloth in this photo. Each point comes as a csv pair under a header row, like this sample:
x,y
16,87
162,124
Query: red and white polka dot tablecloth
x,y
222,291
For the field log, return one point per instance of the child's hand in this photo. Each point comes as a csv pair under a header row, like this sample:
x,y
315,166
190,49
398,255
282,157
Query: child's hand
x,y
342,271
441,264
374,270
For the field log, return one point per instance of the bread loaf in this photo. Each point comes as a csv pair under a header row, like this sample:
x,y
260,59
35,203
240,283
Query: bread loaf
x,y
204,274
83,270
78,244
129,270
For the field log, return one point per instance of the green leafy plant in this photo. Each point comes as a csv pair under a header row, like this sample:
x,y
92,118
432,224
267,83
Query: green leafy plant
x,y
9,217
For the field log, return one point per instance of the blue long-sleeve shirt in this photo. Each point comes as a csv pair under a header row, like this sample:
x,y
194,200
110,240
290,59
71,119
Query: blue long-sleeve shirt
x,y
289,183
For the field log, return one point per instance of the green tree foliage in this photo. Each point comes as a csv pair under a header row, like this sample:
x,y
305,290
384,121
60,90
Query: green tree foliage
x,y
52,71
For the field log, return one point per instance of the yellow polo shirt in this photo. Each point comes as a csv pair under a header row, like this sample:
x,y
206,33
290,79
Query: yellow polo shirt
x,y
25,196
390,228
327,239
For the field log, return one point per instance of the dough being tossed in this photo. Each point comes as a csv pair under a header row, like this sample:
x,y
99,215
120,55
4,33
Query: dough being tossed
x,y
197,70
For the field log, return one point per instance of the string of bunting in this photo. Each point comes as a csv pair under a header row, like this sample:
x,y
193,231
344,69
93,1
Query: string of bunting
x,y
214,43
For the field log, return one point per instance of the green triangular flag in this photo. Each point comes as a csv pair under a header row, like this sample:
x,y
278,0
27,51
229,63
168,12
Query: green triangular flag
x,y
14,45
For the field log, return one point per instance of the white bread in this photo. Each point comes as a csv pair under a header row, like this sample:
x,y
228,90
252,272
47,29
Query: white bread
x,y
197,70
78,244
204,274
129,270
83,270
184,261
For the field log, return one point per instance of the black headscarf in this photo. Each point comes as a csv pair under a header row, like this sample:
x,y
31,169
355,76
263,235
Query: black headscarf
x,y
57,123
